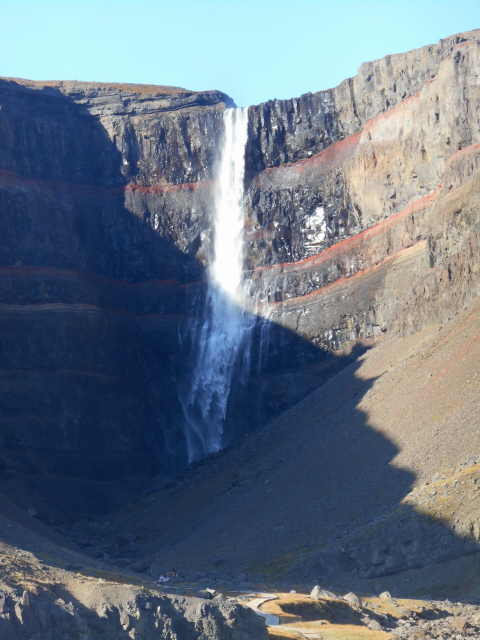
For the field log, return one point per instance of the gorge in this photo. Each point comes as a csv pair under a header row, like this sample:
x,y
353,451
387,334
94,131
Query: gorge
x,y
257,366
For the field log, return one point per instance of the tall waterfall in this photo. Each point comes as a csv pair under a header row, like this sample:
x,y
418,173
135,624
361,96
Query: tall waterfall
x,y
222,335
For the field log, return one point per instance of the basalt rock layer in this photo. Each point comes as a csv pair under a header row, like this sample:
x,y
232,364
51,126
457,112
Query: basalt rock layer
x,y
99,216
362,198
362,220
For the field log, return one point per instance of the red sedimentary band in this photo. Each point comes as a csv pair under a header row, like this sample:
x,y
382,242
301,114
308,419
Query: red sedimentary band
x,y
10,178
168,188
86,276
332,154
337,151
346,280
471,149
397,108
348,243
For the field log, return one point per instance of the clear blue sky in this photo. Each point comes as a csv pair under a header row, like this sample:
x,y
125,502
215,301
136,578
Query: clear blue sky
x,y
252,50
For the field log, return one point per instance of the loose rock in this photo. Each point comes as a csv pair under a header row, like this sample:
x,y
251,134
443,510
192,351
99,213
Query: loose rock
x,y
353,600
317,593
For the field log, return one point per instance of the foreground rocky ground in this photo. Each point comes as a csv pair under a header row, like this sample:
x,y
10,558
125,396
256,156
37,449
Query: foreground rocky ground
x,y
50,590
383,498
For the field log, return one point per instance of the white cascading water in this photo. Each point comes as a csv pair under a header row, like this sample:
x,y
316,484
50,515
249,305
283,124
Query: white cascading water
x,y
225,325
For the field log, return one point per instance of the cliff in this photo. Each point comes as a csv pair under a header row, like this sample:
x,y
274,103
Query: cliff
x,y
361,222
361,229
362,197
99,211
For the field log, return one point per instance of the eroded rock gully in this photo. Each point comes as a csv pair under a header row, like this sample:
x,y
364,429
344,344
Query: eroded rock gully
x,y
362,222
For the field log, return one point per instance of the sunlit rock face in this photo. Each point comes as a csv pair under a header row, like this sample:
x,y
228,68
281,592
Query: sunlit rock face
x,y
352,193
360,207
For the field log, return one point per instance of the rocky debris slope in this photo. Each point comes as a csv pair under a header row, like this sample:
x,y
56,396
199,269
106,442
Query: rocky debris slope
x,y
428,544
120,612
341,488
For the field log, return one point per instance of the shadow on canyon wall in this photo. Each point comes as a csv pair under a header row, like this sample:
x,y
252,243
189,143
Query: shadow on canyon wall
x,y
91,301
84,392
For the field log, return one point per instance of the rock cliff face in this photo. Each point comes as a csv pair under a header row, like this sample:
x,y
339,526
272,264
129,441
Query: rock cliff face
x,y
361,197
361,220
99,211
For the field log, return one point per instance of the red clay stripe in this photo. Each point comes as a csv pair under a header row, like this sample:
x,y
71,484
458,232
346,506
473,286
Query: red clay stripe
x,y
342,281
413,207
8,178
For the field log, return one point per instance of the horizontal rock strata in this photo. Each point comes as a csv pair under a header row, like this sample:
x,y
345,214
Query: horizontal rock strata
x,y
362,219
354,236
100,214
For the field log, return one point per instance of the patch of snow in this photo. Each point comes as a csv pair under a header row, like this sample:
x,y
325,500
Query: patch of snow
x,y
316,227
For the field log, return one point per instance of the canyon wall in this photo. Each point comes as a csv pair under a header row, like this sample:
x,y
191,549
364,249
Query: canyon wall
x,y
99,211
362,220
362,198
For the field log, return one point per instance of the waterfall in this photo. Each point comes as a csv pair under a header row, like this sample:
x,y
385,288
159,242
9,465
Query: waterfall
x,y
221,337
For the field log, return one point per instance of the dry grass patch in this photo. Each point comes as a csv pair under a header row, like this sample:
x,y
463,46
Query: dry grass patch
x,y
293,606
395,607
319,631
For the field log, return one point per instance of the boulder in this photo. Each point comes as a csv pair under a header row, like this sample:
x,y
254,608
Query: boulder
x,y
353,600
317,593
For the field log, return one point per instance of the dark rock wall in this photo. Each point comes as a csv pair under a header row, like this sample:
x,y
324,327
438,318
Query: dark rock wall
x,y
361,220
99,209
